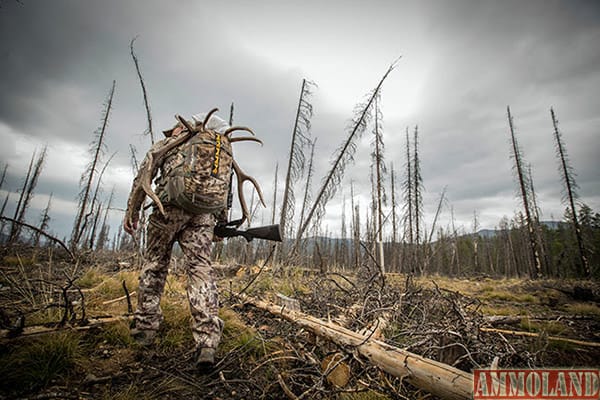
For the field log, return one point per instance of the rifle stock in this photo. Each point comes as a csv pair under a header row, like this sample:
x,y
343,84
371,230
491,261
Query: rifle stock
x,y
268,232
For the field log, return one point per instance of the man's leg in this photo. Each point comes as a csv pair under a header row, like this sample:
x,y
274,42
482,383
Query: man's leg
x,y
196,243
160,236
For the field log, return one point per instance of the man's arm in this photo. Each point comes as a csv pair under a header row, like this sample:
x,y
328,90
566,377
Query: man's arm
x,y
137,194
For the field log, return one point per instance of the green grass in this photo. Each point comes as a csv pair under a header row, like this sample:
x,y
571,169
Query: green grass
x,y
175,330
34,365
506,295
91,278
117,334
238,336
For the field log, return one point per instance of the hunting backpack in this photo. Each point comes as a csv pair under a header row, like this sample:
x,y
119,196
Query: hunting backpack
x,y
199,179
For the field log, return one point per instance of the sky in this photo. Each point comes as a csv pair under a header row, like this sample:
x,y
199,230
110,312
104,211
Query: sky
x,y
461,63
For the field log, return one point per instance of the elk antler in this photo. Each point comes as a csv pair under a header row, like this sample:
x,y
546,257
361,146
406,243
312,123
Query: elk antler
x,y
238,128
207,118
241,177
156,156
187,125
245,138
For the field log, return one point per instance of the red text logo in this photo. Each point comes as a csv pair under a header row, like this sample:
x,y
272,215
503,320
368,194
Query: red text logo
x,y
548,384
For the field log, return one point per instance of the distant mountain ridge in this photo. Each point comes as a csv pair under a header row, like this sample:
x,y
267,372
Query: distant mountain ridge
x,y
489,233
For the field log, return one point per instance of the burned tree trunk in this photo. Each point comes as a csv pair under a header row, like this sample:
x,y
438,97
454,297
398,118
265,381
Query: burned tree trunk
x,y
342,158
88,175
144,93
296,159
25,198
568,178
524,189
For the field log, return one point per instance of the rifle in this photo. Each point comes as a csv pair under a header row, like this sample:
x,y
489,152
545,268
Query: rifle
x,y
228,229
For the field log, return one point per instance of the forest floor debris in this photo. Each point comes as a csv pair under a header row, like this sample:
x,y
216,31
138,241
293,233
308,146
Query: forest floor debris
x,y
454,321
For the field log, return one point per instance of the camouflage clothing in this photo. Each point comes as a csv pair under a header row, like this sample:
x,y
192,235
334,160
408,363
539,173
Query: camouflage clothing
x,y
194,234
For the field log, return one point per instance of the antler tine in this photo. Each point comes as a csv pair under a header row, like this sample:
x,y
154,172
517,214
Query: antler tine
x,y
155,157
241,177
238,128
207,118
185,123
245,138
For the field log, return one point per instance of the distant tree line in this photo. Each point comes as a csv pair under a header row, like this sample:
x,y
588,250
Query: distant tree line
x,y
390,234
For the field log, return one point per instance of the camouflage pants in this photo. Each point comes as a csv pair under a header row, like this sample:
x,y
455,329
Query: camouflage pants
x,y
194,234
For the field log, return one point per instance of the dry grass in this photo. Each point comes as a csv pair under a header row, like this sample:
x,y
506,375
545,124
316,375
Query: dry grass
x,y
588,309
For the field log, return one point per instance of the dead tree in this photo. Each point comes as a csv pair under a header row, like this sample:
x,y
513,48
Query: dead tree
x,y
455,250
95,206
144,93
380,172
44,222
104,230
87,177
15,226
274,193
297,160
524,189
3,175
409,204
570,196
537,225
428,242
2,212
355,228
25,198
344,155
418,199
394,217
306,198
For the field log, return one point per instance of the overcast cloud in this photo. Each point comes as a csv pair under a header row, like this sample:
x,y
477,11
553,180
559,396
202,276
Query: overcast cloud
x,y
463,63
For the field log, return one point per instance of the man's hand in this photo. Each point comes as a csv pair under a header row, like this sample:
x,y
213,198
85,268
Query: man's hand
x,y
130,225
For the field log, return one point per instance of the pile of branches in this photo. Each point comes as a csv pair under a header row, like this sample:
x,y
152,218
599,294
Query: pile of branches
x,y
433,322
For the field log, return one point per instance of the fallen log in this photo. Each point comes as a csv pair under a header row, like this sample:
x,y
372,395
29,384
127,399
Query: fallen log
x,y
437,378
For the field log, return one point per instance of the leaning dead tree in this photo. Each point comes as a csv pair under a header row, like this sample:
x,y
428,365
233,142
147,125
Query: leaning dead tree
x,y
297,160
14,227
3,175
344,155
524,188
567,175
87,178
149,131
306,198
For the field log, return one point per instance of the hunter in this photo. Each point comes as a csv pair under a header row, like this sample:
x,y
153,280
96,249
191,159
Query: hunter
x,y
172,221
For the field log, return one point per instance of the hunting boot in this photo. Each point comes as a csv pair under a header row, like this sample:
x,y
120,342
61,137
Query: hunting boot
x,y
204,357
143,337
